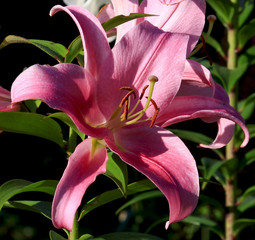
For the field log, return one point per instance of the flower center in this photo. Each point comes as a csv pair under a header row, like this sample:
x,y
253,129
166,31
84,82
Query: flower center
x,y
124,115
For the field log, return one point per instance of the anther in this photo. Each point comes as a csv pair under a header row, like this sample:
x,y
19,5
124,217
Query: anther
x,y
143,91
153,120
132,92
126,110
156,112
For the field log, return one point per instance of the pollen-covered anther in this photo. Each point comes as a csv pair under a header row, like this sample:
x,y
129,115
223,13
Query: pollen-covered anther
x,y
153,120
132,92
143,91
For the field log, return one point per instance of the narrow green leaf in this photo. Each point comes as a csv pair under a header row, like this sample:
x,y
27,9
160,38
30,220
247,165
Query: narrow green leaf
x,y
68,121
117,171
109,196
74,49
197,138
40,207
239,135
140,197
120,19
249,158
229,77
55,50
246,12
224,10
247,203
247,58
86,237
202,221
249,191
127,236
31,124
33,105
245,34
216,45
241,224
210,167
16,186
56,236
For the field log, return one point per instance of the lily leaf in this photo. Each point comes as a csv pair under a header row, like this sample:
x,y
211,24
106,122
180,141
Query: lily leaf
x,y
246,12
216,45
17,186
229,77
31,124
249,158
248,57
55,50
196,138
120,19
224,10
41,207
56,236
141,197
241,224
210,167
73,50
127,236
117,171
245,33
106,197
68,121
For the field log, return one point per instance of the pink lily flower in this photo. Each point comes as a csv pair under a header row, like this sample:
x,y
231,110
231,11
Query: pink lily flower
x,y
119,99
5,102
179,16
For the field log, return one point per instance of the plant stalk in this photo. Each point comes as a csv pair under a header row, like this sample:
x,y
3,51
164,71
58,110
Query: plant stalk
x,y
74,234
230,188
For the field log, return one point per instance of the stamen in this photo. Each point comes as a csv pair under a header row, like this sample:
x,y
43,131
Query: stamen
x,y
153,120
211,19
126,97
143,91
156,112
129,89
126,110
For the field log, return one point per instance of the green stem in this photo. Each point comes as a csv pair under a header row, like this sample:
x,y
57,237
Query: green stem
x,y
230,187
74,234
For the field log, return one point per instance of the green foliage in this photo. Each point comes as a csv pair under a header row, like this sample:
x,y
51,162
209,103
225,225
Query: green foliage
x,y
127,236
245,34
40,207
224,10
55,50
17,186
117,171
120,19
68,121
109,196
56,236
31,124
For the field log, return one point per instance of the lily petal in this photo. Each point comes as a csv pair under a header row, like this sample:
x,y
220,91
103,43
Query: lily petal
x,y
211,109
84,165
94,39
140,53
5,102
187,16
65,87
196,80
165,160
